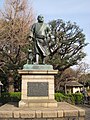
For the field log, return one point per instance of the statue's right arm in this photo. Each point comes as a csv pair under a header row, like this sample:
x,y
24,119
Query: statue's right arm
x,y
30,34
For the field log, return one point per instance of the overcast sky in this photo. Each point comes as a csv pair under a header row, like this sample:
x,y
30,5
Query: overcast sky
x,y
69,10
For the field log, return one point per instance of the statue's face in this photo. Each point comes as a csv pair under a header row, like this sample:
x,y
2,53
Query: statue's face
x,y
40,18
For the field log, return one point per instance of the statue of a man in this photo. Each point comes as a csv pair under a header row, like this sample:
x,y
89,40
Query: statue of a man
x,y
40,32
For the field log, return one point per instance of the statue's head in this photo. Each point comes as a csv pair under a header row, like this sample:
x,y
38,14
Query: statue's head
x,y
40,18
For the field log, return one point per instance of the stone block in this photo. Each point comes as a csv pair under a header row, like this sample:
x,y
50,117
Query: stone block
x,y
49,114
24,85
5,114
53,104
27,114
70,113
51,96
81,112
16,114
35,105
81,118
24,97
44,105
60,113
38,114
38,76
51,92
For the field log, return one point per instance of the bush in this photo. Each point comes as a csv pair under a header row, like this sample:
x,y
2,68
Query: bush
x,y
10,97
76,98
71,98
59,97
15,96
5,97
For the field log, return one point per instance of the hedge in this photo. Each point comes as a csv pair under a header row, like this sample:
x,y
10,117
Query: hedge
x,y
76,98
59,97
79,98
10,97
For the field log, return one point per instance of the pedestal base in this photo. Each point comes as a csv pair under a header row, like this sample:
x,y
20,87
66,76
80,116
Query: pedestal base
x,y
64,111
37,86
37,103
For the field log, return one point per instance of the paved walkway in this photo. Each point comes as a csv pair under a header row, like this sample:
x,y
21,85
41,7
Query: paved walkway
x,y
87,111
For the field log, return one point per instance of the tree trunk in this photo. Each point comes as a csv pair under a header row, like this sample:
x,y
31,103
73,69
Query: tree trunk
x,y
10,82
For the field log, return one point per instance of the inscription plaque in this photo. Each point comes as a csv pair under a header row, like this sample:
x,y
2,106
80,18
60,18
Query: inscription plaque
x,y
37,89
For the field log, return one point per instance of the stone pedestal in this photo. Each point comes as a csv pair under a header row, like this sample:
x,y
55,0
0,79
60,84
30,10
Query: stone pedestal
x,y
63,111
37,86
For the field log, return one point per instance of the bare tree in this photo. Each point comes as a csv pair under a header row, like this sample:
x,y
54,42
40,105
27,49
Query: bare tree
x,y
83,68
82,72
15,23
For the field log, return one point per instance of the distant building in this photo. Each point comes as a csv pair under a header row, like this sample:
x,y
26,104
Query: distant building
x,y
71,86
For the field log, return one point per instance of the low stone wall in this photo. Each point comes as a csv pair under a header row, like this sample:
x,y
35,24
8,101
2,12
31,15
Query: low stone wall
x,y
67,118
39,115
64,111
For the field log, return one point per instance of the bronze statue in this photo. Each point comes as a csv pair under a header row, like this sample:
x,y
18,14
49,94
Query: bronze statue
x,y
39,33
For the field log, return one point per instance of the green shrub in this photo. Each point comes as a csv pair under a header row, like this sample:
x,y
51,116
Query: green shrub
x,y
15,96
10,97
5,97
71,98
78,98
59,97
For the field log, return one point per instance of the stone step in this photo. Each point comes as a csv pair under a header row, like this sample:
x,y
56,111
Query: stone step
x,y
38,103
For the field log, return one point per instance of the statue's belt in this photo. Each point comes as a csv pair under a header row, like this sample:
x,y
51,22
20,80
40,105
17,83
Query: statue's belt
x,y
40,36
